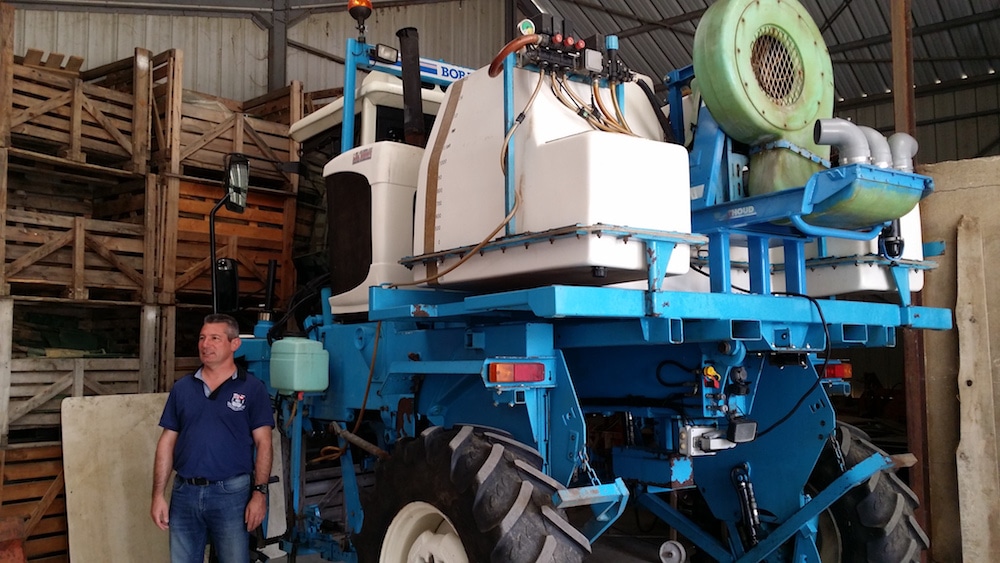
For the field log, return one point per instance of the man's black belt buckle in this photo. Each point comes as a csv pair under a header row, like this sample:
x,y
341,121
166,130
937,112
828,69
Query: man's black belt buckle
x,y
199,481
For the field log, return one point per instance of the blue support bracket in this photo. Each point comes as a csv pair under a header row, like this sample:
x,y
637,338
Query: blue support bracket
x,y
800,525
850,479
608,502
676,81
683,525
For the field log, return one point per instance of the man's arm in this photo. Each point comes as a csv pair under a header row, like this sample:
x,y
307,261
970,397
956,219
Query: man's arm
x,y
162,466
257,507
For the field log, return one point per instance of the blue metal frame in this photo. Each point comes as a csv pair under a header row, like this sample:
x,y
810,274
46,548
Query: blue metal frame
x,y
361,56
666,356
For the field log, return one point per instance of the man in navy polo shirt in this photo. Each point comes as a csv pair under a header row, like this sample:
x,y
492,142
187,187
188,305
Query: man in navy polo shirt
x,y
212,423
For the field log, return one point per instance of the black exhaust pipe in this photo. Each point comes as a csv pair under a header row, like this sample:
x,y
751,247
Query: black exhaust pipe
x,y
413,107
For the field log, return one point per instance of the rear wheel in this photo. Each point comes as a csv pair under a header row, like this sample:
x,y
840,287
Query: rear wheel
x,y
874,521
465,495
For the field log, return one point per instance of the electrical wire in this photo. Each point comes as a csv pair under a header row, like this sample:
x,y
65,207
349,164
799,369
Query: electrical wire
x,y
330,453
664,363
819,379
609,117
578,109
618,110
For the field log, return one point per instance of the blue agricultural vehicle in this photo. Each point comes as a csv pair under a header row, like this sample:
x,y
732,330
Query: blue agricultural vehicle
x,y
563,298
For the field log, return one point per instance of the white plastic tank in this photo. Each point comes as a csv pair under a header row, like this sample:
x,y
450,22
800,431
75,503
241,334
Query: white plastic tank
x,y
848,266
567,173
299,364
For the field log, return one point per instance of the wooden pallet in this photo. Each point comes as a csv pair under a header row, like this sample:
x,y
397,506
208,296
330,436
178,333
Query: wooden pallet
x,y
54,62
252,238
57,112
38,385
193,132
32,490
75,256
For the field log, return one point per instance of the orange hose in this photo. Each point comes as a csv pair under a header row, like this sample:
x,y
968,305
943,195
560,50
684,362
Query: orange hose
x,y
515,45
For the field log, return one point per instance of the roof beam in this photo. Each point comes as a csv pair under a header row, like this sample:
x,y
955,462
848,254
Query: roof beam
x,y
917,31
666,22
833,17
631,16
235,8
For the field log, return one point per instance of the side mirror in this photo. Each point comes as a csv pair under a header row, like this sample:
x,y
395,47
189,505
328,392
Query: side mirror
x,y
237,181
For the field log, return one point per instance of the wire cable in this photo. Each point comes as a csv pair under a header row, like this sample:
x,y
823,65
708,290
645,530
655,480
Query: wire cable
x,y
819,379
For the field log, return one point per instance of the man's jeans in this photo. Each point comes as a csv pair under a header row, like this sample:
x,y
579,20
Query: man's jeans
x,y
215,512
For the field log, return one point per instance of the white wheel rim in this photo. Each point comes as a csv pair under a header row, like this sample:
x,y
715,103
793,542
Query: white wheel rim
x,y
420,533
829,538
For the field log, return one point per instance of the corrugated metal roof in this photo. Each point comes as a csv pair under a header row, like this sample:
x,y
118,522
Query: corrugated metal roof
x,y
952,39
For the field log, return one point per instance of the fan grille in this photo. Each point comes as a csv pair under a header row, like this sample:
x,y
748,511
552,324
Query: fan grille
x,y
777,66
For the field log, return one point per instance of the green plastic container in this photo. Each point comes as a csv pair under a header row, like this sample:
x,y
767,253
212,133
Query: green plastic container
x,y
299,364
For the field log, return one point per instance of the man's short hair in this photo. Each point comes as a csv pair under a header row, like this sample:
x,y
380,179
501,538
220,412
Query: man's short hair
x,y
232,327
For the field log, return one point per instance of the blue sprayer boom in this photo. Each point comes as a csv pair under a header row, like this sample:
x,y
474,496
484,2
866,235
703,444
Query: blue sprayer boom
x,y
565,298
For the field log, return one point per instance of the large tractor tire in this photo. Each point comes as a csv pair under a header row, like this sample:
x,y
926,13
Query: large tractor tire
x,y
874,521
465,495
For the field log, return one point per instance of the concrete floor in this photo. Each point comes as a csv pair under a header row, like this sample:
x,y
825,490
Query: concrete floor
x,y
623,543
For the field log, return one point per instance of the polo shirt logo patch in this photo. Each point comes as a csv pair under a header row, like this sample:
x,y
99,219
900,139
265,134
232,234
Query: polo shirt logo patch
x,y
238,402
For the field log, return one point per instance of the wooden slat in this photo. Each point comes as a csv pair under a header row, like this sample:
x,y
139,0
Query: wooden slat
x,y
76,123
74,63
208,137
108,255
6,347
265,148
108,126
21,409
33,470
37,254
55,488
142,91
22,509
977,455
54,61
103,170
33,57
78,290
41,108
6,70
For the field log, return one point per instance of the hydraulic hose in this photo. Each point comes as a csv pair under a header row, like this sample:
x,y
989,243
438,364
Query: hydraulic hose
x,y
668,133
513,46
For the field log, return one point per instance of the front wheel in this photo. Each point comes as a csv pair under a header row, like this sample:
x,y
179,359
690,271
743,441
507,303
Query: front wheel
x,y
874,521
460,495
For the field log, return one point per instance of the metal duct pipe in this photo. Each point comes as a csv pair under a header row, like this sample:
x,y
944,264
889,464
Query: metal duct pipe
x,y
413,108
844,135
903,147
879,147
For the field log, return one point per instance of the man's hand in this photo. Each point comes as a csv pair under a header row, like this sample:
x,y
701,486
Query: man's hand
x,y
160,511
256,509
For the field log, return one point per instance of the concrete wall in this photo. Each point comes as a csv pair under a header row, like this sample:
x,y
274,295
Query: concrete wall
x,y
967,187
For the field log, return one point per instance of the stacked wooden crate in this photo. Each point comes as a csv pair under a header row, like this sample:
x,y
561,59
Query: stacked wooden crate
x,y
32,496
193,133
107,178
76,242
